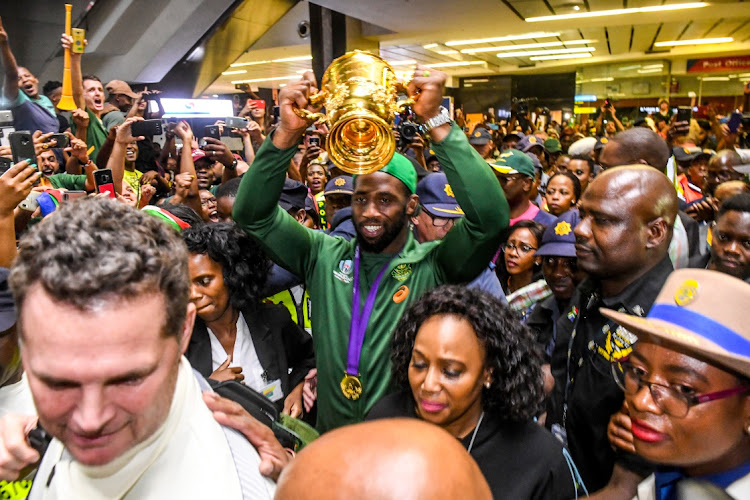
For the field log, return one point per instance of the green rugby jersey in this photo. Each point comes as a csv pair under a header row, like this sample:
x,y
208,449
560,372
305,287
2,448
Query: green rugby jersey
x,y
326,264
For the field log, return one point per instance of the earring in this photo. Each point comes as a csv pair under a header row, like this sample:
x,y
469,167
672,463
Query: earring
x,y
488,384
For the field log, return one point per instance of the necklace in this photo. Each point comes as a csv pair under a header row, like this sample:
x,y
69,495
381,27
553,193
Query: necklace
x,y
474,435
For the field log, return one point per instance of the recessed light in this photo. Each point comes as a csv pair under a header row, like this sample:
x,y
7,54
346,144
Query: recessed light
x,y
512,47
235,72
560,56
525,36
618,12
454,64
288,77
697,41
403,62
526,53
715,78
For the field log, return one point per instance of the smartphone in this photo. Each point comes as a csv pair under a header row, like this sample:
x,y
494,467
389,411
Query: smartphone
x,y
78,36
236,122
734,122
62,140
259,103
73,195
493,126
146,128
684,113
39,439
104,183
275,114
313,140
5,164
22,146
607,103
212,131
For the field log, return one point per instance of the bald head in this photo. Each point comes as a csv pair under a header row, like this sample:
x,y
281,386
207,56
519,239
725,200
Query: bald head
x,y
635,146
721,169
728,189
627,218
383,460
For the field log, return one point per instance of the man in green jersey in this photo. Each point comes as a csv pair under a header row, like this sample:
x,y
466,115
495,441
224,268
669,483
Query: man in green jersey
x,y
352,343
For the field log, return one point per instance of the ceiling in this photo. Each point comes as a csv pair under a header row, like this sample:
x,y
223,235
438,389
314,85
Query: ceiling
x,y
403,28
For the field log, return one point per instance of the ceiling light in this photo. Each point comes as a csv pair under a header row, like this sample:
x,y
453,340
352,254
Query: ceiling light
x,y
560,56
454,64
525,53
697,41
579,42
282,60
605,79
404,62
476,80
289,77
653,66
628,68
652,70
429,46
253,63
509,38
236,72
512,47
447,52
617,12
743,75
292,59
715,78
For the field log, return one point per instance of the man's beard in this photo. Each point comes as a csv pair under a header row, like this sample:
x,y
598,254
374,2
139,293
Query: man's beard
x,y
390,234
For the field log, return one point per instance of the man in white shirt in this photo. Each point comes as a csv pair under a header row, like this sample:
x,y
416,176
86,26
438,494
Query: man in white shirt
x,y
104,318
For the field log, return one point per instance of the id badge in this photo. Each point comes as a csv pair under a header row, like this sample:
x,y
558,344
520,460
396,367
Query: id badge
x,y
560,433
272,390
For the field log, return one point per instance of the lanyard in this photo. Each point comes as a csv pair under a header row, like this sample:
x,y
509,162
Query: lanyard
x,y
593,299
360,318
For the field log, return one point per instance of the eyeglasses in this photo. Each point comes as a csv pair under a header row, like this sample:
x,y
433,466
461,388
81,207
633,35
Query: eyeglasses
x,y
521,249
438,221
206,201
670,399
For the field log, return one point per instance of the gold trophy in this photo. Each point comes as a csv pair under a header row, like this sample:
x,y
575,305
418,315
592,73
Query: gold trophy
x,y
359,91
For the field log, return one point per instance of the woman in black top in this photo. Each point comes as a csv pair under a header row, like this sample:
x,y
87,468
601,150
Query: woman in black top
x,y
466,364
236,336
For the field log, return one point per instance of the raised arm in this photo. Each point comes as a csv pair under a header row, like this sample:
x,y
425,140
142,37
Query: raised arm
x,y
116,161
76,77
468,247
10,86
15,185
255,208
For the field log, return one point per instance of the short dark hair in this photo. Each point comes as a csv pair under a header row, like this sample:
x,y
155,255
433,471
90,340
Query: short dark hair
x,y
229,189
640,143
536,228
587,159
573,179
244,266
184,212
737,203
90,77
50,86
511,352
98,249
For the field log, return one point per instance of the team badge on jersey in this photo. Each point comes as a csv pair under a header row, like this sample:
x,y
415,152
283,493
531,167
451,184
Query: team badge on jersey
x,y
401,272
344,272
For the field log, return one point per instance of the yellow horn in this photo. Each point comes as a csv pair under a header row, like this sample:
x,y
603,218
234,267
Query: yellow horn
x,y
66,101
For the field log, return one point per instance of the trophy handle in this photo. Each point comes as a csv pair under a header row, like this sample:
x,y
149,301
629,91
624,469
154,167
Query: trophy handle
x,y
402,104
315,100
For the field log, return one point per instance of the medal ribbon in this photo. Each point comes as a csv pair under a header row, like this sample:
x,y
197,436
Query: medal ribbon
x,y
360,318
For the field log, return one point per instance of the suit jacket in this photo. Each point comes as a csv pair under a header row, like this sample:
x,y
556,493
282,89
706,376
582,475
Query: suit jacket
x,y
279,342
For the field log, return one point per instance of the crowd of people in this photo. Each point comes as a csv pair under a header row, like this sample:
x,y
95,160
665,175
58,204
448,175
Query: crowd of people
x,y
500,311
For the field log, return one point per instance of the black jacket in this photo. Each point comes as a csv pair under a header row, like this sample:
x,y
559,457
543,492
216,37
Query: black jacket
x,y
279,343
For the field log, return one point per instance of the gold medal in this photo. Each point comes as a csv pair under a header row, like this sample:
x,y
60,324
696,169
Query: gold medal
x,y
351,387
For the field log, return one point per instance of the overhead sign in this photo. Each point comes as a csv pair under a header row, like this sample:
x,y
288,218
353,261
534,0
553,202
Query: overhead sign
x,y
584,111
197,108
585,98
718,64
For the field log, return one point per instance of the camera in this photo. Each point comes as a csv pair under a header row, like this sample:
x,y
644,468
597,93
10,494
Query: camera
x,y
407,128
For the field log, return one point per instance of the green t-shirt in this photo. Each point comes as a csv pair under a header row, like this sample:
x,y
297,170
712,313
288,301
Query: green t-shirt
x,y
96,134
71,182
326,263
